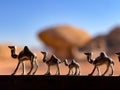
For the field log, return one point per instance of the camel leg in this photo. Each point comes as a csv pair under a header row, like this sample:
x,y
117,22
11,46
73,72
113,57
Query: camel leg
x,y
36,64
48,71
16,68
72,71
75,71
92,71
112,70
23,68
69,71
99,73
58,69
106,70
78,71
31,61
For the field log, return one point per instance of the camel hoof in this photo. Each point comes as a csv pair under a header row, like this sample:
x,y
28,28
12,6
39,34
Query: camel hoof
x,y
67,74
13,74
22,73
102,75
78,74
47,74
110,74
99,75
89,74
28,73
57,74
33,73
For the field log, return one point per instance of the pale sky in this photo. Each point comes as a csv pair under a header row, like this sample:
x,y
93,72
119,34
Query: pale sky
x,y
20,20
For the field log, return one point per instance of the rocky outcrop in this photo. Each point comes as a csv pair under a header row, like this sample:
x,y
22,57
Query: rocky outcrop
x,y
97,43
63,38
113,40
109,43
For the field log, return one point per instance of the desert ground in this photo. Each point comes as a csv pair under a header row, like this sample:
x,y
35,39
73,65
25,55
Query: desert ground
x,y
7,66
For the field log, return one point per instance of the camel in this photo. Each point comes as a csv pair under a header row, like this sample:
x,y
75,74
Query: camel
x,y
118,53
100,60
24,55
50,61
72,65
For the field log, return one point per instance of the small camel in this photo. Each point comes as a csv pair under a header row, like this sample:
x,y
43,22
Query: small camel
x,y
118,53
24,55
72,65
100,60
53,60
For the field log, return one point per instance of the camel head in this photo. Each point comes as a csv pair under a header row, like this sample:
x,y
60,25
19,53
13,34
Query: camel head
x,y
118,53
12,47
13,55
43,52
88,53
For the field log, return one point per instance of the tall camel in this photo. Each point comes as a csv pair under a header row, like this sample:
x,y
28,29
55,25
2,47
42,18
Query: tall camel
x,y
100,60
24,55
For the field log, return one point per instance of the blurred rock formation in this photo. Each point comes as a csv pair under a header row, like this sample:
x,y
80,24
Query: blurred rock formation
x,y
62,39
113,40
71,42
109,43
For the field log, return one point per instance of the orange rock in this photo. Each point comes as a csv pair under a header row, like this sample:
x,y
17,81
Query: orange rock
x,y
63,38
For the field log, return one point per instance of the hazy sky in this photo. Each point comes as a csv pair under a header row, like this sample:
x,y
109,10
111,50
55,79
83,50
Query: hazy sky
x,y
20,20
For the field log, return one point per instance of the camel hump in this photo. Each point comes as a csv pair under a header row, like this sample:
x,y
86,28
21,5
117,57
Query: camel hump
x,y
103,54
73,60
26,48
55,58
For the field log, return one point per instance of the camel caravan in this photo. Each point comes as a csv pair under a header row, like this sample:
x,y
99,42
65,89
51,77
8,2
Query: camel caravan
x,y
69,45
26,54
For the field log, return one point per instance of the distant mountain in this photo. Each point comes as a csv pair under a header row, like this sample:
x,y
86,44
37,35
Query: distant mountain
x,y
109,43
113,40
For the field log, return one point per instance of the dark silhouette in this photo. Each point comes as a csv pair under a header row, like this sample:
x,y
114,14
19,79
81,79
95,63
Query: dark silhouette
x,y
100,60
53,60
72,65
118,53
24,55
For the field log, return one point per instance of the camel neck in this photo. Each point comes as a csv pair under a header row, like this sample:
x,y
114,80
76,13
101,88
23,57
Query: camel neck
x,y
13,54
44,56
66,63
89,59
